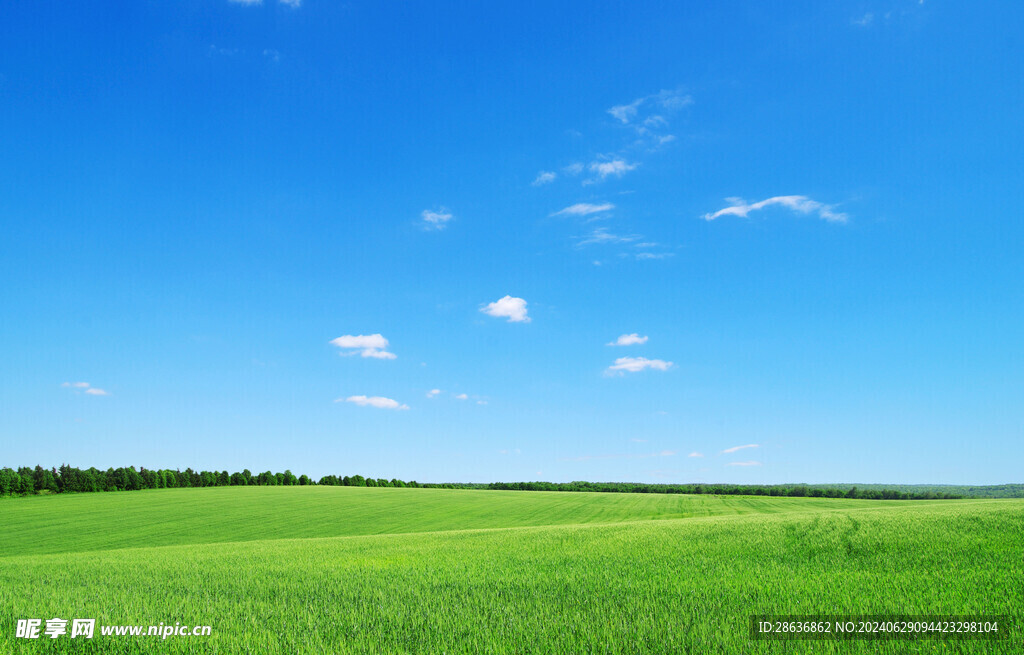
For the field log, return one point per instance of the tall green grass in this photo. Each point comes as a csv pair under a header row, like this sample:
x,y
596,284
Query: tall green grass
x,y
640,586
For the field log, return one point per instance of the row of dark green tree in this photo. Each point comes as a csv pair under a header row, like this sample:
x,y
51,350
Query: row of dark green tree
x,y
68,479
798,490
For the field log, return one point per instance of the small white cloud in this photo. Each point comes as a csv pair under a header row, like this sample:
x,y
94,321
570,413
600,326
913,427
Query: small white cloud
x,y
584,209
628,340
433,393
379,402
544,177
294,4
615,167
601,235
436,220
93,391
736,448
626,113
799,204
695,454
366,345
750,463
508,307
573,169
462,396
642,256
76,385
481,402
635,364
864,20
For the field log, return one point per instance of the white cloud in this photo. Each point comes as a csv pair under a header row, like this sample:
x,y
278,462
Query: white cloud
x,y
433,393
584,209
462,396
615,167
653,255
799,204
601,235
367,345
628,340
481,402
379,402
86,387
750,463
573,169
508,307
695,454
436,220
626,113
635,364
544,177
736,448
294,4
865,20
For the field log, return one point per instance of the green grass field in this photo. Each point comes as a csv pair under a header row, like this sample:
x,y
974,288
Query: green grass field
x,y
341,569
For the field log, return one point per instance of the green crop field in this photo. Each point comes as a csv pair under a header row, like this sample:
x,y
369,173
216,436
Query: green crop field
x,y
342,569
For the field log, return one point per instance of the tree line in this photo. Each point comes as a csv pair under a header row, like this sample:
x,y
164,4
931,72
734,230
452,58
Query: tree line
x,y
68,479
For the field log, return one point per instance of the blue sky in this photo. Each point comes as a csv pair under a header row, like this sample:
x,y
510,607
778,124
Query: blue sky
x,y
261,235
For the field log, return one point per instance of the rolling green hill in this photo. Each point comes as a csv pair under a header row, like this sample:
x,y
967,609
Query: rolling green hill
x,y
81,522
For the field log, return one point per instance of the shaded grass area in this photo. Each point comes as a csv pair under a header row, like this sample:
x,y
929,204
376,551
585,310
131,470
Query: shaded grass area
x,y
668,586
84,522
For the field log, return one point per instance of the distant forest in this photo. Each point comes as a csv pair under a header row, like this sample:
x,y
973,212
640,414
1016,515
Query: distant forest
x,y
68,479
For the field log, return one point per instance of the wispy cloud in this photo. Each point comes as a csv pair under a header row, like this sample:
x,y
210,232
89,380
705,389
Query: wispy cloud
x,y
864,20
628,340
587,458
737,448
514,309
601,235
462,396
612,168
695,454
294,4
380,402
653,255
435,220
635,364
544,177
626,113
750,463
79,387
433,393
799,204
366,345
245,2
584,209
665,100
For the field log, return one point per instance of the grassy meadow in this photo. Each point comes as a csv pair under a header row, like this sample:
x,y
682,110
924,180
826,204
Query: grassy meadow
x,y
342,569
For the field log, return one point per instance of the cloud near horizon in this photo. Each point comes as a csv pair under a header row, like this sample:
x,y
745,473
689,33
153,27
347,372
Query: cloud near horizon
x,y
380,402
799,204
514,309
366,345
